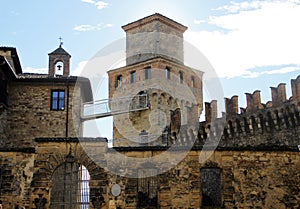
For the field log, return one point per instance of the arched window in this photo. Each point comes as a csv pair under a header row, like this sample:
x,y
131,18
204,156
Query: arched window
x,y
70,187
59,68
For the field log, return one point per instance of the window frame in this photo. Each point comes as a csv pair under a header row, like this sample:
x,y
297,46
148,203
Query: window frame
x,y
193,81
119,81
168,73
133,76
58,108
181,77
148,74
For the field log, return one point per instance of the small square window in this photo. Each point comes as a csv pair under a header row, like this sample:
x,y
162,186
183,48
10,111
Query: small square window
x,y
57,100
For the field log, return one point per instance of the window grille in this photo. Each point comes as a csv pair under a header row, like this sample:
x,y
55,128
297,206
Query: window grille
x,y
70,187
147,188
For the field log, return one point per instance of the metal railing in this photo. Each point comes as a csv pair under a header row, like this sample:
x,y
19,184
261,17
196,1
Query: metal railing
x,y
109,107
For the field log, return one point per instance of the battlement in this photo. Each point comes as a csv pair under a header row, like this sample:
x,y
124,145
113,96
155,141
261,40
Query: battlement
x,y
254,104
255,126
271,126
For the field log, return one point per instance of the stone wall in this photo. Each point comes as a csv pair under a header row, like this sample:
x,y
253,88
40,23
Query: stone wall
x,y
28,115
249,179
16,168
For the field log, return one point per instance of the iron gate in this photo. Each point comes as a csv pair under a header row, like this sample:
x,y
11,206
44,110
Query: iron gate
x,y
70,188
147,188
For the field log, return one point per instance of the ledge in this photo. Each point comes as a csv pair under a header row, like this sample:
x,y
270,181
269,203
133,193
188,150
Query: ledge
x,y
15,149
71,139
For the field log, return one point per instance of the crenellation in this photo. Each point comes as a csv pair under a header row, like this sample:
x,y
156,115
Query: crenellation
x,y
211,111
295,85
253,101
278,95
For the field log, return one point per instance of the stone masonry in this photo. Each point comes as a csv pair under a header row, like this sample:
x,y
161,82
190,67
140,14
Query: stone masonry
x,y
246,159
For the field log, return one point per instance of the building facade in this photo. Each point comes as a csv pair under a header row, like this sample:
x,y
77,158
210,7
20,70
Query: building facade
x,y
162,156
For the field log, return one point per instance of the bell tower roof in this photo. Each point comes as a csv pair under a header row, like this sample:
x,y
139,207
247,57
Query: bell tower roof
x,y
59,51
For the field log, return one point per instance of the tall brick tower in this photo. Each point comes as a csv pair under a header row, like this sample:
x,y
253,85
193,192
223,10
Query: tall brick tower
x,y
154,67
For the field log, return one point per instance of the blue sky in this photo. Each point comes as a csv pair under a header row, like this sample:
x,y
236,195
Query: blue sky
x,y
251,44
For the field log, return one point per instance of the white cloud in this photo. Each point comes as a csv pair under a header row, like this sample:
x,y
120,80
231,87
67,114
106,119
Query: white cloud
x,y
88,1
86,27
99,4
266,36
35,70
271,72
198,22
241,6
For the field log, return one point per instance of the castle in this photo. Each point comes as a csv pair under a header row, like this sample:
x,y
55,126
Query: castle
x,y
162,156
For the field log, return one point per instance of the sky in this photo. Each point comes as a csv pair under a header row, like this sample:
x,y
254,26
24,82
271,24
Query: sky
x,y
252,45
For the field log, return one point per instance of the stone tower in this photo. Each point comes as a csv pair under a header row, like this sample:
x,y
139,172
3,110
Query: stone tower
x,y
59,62
154,67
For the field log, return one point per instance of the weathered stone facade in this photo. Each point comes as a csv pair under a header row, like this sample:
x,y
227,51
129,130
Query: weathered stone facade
x,y
246,159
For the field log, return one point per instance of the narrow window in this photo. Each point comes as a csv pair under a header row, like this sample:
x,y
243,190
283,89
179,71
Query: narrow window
x,y
147,73
119,81
58,100
147,188
193,81
180,77
168,73
133,77
3,90
211,187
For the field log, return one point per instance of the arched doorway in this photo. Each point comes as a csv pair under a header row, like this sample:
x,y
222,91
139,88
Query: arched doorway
x,y
70,187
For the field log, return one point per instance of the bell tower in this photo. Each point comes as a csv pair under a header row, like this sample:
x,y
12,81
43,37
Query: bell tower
x,y
59,62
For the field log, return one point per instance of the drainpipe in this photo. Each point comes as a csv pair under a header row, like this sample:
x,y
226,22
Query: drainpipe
x,y
67,112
